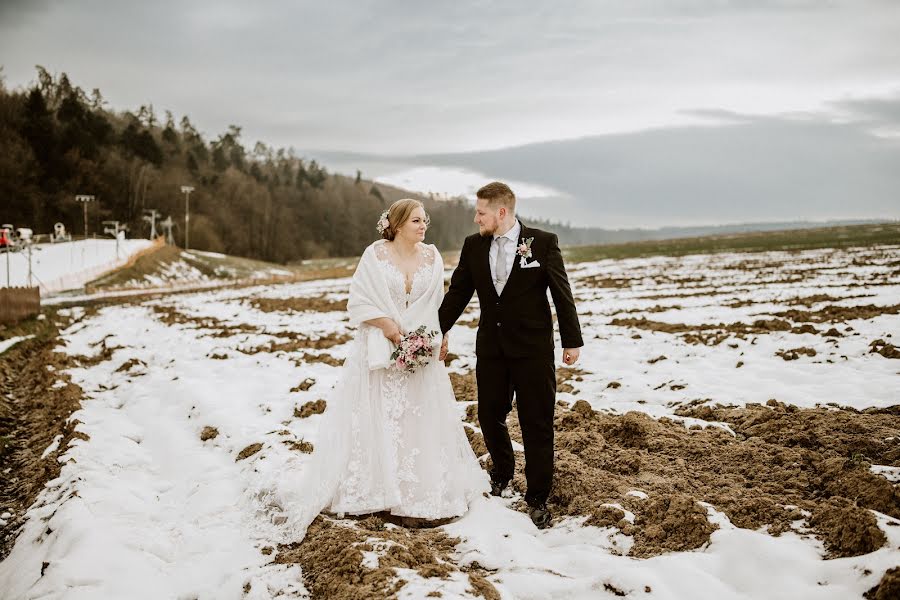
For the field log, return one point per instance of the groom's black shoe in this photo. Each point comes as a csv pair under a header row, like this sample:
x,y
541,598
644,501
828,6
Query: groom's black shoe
x,y
497,487
540,515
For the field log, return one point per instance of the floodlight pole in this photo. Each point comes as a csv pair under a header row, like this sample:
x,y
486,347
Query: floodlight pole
x,y
84,199
186,190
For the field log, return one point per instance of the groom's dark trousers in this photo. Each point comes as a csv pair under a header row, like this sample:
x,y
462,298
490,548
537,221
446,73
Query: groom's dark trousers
x,y
514,349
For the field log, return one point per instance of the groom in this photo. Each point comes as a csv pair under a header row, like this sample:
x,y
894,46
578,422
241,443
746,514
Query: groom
x,y
511,266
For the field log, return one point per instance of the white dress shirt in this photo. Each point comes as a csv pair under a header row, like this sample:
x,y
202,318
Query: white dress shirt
x,y
513,235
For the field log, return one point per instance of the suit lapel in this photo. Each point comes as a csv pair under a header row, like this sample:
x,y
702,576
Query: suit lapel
x,y
516,260
484,261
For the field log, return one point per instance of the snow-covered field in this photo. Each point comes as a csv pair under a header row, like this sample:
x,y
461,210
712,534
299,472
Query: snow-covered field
x,y
148,509
67,265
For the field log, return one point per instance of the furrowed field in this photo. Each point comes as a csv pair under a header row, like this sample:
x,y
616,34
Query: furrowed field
x,y
731,431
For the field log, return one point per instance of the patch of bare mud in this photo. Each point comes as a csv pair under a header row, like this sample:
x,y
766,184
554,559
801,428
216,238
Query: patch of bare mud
x,y
881,347
33,412
476,442
311,304
720,290
333,564
297,342
304,385
249,451
782,461
605,281
465,386
564,375
321,357
132,364
888,588
671,522
104,354
218,328
839,314
652,309
316,407
795,353
713,335
301,446
808,301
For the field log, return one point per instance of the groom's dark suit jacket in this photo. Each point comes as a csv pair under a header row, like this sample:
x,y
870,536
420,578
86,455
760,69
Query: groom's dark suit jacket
x,y
517,323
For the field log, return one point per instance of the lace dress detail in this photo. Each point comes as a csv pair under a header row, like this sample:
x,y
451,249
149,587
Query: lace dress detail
x,y
397,280
409,454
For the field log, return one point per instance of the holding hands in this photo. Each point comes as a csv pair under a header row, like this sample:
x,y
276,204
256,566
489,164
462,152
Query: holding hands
x,y
443,355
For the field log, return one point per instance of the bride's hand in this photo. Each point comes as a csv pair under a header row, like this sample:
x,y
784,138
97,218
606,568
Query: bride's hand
x,y
444,345
392,331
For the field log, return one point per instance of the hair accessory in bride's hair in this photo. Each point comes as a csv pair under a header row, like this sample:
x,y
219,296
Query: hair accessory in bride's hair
x,y
383,222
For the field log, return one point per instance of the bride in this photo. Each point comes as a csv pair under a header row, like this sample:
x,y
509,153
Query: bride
x,y
390,440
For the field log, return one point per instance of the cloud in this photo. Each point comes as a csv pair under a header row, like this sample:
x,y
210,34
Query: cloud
x,y
877,111
754,169
427,77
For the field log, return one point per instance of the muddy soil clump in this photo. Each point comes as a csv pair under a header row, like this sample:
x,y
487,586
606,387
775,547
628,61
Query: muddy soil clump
x,y
316,407
465,387
888,588
331,557
782,461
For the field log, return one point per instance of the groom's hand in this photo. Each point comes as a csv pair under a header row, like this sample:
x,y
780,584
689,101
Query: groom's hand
x,y
570,355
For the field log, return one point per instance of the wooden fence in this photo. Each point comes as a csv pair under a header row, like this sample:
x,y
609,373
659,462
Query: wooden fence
x,y
17,303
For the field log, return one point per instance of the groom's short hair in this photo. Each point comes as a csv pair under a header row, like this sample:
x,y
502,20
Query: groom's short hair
x,y
498,194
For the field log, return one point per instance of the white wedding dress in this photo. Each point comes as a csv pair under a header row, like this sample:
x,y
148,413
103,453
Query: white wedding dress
x,y
389,440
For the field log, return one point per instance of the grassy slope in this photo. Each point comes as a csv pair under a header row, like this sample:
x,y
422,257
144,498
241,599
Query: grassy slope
x,y
227,269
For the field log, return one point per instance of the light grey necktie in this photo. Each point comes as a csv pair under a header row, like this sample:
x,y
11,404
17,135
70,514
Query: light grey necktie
x,y
500,268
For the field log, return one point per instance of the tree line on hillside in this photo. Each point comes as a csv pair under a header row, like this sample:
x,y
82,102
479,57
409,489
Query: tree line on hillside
x,y
58,141
259,202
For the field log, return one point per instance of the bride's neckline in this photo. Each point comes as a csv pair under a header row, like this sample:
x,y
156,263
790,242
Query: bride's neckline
x,y
408,279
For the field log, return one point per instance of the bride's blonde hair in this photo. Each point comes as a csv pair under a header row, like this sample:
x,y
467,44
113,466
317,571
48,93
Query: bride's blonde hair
x,y
398,214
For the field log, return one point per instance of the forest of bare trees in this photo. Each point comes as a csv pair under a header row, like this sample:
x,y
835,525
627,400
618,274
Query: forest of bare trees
x,y
262,202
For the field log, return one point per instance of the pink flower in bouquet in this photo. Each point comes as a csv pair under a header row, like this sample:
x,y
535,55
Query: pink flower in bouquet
x,y
414,350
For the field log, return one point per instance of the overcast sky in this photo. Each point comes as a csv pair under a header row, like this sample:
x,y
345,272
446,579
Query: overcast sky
x,y
450,80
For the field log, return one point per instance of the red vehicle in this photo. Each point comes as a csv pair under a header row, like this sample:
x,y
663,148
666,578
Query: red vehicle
x,y
6,240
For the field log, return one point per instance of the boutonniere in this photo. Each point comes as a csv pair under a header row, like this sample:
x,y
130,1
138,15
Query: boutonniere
x,y
524,249
524,252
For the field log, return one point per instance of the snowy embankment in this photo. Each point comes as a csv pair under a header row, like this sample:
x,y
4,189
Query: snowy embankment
x,y
194,402
68,265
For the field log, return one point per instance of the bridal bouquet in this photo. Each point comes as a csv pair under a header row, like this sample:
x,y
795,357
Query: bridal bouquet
x,y
415,350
